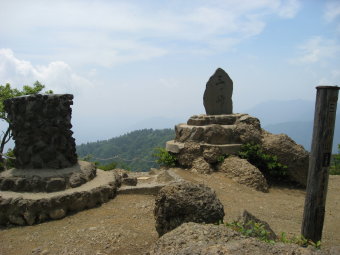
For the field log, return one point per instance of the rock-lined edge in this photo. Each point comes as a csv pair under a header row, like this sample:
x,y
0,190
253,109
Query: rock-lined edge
x,y
32,208
47,180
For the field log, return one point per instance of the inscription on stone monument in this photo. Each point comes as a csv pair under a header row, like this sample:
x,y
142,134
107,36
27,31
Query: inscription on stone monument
x,y
217,98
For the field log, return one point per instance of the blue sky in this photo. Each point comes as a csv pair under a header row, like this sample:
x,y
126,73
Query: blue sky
x,y
126,61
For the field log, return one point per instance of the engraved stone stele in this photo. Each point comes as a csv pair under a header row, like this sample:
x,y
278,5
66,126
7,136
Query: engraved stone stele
x,y
217,98
41,128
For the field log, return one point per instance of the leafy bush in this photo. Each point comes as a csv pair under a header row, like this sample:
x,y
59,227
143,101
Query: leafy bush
x,y
108,167
8,160
221,158
251,229
266,163
164,158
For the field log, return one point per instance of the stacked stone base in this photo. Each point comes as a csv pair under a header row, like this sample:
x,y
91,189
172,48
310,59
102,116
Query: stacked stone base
x,y
212,136
31,208
202,143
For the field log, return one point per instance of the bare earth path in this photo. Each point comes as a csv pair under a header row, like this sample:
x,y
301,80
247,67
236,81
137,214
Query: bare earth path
x,y
125,225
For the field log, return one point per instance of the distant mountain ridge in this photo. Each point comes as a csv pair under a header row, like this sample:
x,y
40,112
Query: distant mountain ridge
x,y
132,150
301,132
274,112
294,118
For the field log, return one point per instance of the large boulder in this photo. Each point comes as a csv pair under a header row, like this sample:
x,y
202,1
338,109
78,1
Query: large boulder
x,y
293,155
186,202
241,171
209,239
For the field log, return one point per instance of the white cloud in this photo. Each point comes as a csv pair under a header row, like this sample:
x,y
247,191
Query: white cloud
x,y
111,32
317,49
289,8
57,75
332,11
332,79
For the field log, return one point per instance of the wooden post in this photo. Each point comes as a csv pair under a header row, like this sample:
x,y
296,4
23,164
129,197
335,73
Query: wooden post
x,y
319,161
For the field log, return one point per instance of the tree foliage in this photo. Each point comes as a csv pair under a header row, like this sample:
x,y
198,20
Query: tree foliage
x,y
7,92
133,151
165,158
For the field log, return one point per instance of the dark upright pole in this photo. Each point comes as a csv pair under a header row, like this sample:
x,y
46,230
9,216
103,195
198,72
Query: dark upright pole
x,y
319,161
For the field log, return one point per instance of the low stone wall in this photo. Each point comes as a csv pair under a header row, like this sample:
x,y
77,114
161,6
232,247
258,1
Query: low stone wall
x,y
41,128
31,208
49,180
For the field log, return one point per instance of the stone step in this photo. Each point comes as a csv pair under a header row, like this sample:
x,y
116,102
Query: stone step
x,y
175,147
211,134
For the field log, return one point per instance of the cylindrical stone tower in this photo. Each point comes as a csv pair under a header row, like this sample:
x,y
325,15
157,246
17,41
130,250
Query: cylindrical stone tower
x,y
41,128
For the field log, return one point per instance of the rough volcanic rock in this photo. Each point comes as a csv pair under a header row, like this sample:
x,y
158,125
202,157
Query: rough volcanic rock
x,y
247,217
130,181
218,92
212,154
248,129
55,184
241,171
164,177
186,202
293,155
41,128
201,166
208,239
188,154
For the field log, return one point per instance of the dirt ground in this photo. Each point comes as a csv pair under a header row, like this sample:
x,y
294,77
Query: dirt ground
x,y
125,225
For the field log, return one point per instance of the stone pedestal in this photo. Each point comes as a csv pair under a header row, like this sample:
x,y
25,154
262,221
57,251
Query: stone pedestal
x,y
41,128
223,133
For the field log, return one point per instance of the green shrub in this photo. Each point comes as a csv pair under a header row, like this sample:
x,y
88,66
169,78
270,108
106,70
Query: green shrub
x,y
108,167
251,229
266,163
164,158
8,160
222,157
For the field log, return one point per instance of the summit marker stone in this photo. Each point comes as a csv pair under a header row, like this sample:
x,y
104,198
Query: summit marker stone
x,y
218,92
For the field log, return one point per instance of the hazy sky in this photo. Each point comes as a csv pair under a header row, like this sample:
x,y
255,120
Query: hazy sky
x,y
126,61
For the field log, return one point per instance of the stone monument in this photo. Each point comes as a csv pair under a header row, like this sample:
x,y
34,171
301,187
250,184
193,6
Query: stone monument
x,y
48,181
219,130
202,143
217,95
